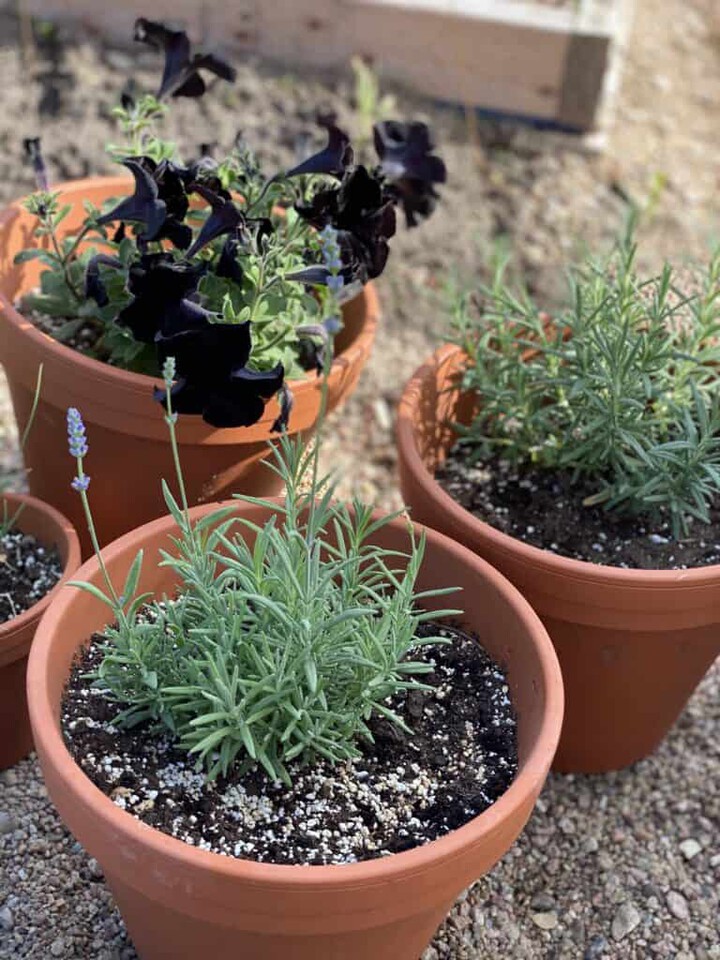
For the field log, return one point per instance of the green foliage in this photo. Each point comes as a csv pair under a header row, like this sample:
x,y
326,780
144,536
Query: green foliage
x,y
275,306
8,519
276,652
371,106
620,388
137,120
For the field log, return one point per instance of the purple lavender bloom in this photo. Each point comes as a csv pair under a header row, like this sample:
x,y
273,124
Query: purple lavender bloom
x,y
77,440
80,483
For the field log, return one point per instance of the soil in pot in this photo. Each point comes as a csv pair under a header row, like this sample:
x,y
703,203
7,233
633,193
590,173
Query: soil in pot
x,y
545,509
403,791
28,571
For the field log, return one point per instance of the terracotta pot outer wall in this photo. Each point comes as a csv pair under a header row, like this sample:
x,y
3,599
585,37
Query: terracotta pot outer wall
x,y
129,446
180,902
52,530
633,644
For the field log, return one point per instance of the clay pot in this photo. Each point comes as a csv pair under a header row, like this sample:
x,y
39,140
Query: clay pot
x,y
51,529
632,644
183,903
129,445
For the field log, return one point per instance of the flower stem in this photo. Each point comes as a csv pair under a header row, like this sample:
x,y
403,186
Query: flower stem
x,y
96,545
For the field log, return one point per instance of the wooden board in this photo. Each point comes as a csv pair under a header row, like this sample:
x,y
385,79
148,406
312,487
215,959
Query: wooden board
x,y
509,56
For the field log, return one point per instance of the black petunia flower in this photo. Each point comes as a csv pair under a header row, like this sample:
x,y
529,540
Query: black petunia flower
x,y
181,77
334,160
364,218
171,190
227,220
213,379
143,206
409,166
161,304
227,265
94,286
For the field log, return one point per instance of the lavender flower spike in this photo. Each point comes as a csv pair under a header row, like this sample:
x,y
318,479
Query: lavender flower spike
x,y
77,440
168,371
80,483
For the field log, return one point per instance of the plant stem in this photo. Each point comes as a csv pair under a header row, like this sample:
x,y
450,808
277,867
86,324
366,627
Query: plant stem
x,y
96,546
171,422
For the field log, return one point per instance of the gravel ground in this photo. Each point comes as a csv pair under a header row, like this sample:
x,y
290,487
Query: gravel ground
x,y
609,866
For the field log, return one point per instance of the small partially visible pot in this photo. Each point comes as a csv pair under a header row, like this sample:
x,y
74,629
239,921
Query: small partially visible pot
x,y
51,529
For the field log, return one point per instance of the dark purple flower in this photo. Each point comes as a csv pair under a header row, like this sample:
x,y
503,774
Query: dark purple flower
x,y
213,379
225,218
364,219
171,198
94,285
228,266
315,275
313,339
162,287
334,159
144,206
181,77
171,190
409,166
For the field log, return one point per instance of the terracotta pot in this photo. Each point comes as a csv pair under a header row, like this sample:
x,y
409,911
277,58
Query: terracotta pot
x,y
51,529
129,447
632,644
183,903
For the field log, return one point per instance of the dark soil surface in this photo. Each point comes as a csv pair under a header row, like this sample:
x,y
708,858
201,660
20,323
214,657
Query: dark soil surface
x,y
544,508
403,791
28,571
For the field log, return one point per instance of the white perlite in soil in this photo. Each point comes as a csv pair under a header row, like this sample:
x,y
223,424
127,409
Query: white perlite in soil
x,y
403,791
28,571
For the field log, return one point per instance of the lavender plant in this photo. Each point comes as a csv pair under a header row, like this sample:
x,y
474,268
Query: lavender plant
x,y
279,648
620,388
213,261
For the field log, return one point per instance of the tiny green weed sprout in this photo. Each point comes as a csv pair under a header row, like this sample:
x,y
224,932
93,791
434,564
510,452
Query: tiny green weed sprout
x,y
621,388
8,519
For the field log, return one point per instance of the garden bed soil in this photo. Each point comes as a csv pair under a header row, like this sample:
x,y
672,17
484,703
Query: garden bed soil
x,y
28,571
545,508
402,791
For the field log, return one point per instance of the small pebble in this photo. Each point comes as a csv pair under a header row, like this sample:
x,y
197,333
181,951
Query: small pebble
x,y
7,823
625,920
677,905
690,848
546,920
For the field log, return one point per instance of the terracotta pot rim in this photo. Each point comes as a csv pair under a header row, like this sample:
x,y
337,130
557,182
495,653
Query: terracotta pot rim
x,y
569,568
65,532
527,783
108,376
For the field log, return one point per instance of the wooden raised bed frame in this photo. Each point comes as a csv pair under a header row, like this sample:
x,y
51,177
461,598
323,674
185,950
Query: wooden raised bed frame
x,y
520,57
